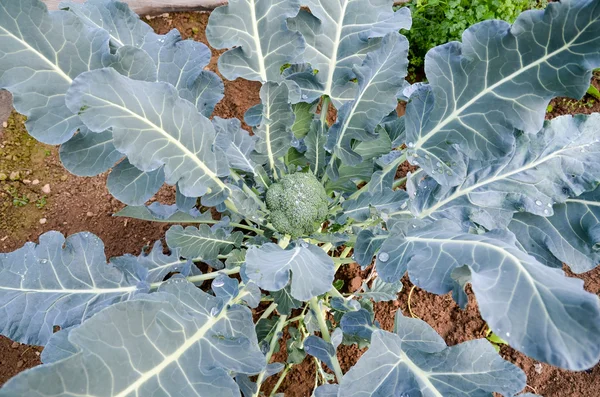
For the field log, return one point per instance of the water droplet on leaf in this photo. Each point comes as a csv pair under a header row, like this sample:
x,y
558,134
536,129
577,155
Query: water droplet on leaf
x,y
219,282
383,256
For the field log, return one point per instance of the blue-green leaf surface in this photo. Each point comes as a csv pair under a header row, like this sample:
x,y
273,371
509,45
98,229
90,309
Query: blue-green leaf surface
x,y
380,291
275,129
236,143
132,62
153,126
123,25
285,301
155,265
157,212
327,390
409,362
179,342
358,323
560,161
258,31
379,77
58,347
338,35
367,243
317,347
132,186
178,62
535,308
571,235
40,55
202,242
58,282
499,79
312,269
315,146
386,202
89,153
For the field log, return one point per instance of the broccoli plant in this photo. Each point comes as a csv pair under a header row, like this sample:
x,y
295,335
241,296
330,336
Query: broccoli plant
x,y
500,200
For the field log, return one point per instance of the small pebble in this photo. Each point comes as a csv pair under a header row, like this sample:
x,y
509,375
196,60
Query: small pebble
x,y
90,214
46,189
20,363
35,182
15,345
5,124
37,353
43,221
26,181
15,176
538,368
64,178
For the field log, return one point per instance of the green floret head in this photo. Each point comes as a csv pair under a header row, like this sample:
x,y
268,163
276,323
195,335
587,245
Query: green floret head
x,y
298,204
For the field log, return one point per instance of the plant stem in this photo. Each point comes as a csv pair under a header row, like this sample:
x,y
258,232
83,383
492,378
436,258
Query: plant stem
x,y
281,378
268,311
399,182
284,241
343,261
345,252
335,293
327,247
314,306
201,277
324,110
273,345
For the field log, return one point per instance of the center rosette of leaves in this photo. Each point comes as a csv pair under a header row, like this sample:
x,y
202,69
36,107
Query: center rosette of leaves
x,y
298,204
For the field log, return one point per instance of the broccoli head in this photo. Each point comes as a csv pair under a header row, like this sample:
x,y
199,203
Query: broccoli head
x,y
298,204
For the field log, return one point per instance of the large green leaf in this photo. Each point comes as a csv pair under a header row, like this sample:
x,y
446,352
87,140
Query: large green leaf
x,y
131,186
379,78
269,266
533,307
415,361
153,126
499,79
123,25
180,341
571,235
202,242
275,129
560,161
40,55
258,31
89,153
58,282
338,35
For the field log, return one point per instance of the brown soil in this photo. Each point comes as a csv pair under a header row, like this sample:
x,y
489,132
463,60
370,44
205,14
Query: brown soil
x,y
77,204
